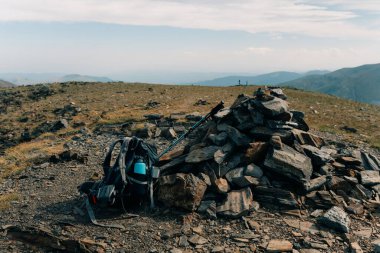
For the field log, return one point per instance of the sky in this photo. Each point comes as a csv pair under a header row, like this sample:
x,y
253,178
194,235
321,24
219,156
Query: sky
x,y
189,39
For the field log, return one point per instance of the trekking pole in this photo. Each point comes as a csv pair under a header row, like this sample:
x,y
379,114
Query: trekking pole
x,y
213,111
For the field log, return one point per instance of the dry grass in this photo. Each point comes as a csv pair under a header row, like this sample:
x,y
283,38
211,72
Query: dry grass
x,y
26,154
5,200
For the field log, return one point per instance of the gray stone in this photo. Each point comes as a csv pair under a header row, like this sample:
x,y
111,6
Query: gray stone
x,y
289,163
177,116
368,163
315,183
306,138
336,218
217,249
275,196
183,241
153,116
218,139
245,181
234,173
318,156
326,169
274,107
208,208
376,188
253,170
202,154
375,160
370,177
196,116
181,190
237,203
236,137
197,240
168,133
277,92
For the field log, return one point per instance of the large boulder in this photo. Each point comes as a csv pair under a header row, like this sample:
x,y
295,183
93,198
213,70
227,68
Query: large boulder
x,y
289,163
181,190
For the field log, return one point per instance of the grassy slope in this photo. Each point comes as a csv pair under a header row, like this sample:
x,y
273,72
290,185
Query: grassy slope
x,y
359,83
108,103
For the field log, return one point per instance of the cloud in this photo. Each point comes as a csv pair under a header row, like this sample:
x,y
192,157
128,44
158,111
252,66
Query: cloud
x,y
312,18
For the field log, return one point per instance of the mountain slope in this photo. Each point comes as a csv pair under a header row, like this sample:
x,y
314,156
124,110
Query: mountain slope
x,y
272,78
359,84
5,84
83,78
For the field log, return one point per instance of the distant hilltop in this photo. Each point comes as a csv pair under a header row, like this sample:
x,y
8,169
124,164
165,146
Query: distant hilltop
x,y
5,84
34,78
272,78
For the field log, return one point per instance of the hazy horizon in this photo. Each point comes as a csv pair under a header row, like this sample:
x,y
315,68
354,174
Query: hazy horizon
x,y
169,38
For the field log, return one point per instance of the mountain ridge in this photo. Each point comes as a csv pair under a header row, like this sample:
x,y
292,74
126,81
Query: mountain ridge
x,y
6,84
272,78
360,83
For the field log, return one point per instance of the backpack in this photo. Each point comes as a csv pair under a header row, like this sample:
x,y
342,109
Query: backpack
x,y
129,178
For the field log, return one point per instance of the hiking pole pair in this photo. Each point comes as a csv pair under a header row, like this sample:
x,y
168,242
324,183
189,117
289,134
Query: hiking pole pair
x,y
211,114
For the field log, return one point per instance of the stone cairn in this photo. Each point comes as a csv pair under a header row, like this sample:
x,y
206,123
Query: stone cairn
x,y
258,152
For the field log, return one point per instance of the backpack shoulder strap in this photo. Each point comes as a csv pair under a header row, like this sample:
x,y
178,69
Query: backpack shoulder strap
x,y
107,161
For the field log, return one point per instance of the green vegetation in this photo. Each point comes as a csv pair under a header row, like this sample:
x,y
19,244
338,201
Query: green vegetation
x,y
360,84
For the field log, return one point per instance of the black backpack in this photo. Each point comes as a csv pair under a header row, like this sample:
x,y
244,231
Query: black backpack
x,y
129,178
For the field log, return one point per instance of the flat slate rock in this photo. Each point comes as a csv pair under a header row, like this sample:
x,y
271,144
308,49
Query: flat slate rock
x,y
275,196
238,203
336,218
279,246
289,163
370,177
202,154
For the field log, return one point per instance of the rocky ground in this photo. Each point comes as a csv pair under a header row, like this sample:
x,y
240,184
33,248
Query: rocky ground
x,y
50,202
48,214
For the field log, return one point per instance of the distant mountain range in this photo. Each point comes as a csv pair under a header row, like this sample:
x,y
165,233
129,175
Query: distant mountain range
x,y
360,84
33,78
272,78
5,84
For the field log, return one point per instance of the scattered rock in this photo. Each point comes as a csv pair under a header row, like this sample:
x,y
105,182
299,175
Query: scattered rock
x,y
197,240
279,246
337,219
355,248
